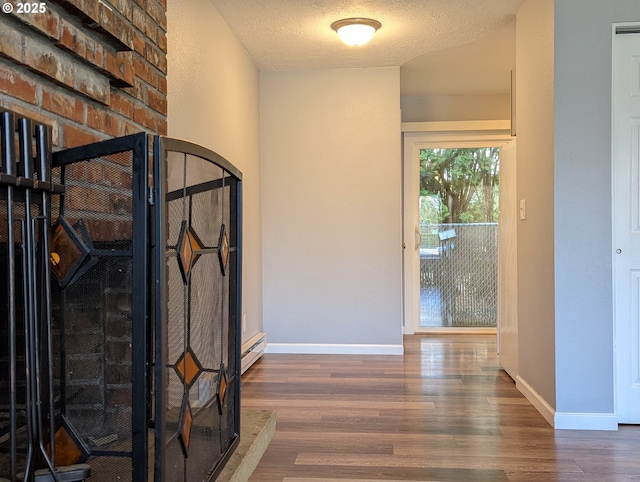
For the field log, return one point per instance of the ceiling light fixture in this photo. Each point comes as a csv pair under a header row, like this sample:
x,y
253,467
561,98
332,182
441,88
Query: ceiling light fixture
x,y
356,31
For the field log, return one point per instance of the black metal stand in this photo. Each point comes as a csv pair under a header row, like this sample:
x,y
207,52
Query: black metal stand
x,y
26,179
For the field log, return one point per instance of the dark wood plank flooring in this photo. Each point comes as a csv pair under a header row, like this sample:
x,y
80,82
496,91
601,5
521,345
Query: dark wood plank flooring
x,y
445,411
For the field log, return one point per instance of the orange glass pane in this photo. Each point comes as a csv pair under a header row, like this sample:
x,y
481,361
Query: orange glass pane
x,y
67,451
188,368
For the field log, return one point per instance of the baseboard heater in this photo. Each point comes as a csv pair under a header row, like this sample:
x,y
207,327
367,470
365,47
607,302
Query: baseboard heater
x,y
252,350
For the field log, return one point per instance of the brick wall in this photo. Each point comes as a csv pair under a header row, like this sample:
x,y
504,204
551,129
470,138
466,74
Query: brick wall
x,y
92,69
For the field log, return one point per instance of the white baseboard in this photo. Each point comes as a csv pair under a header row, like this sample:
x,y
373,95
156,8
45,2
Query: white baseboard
x,y
566,420
334,349
546,410
585,421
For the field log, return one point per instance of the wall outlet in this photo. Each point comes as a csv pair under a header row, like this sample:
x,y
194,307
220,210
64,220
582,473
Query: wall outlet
x,y
244,323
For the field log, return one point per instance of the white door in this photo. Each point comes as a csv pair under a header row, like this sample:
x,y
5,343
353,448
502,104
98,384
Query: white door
x,y
626,222
429,135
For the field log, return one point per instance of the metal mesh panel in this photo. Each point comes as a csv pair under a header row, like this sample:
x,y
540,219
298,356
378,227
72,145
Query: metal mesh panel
x,y
93,320
198,291
104,340
459,275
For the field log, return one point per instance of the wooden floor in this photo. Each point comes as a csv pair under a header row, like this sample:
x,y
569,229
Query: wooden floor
x,y
444,411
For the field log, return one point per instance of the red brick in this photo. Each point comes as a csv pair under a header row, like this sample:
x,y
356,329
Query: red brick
x,y
112,177
87,7
92,84
115,25
126,128
78,171
124,229
143,116
162,41
48,22
162,127
83,198
139,43
158,14
155,56
72,136
124,7
15,85
156,101
74,39
11,41
91,54
139,90
121,103
119,203
126,182
162,85
101,120
99,54
144,71
120,66
42,58
144,23
63,105
94,172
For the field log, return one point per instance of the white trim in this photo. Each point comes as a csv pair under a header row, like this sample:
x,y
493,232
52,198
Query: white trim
x,y
585,421
480,125
546,410
334,349
425,135
457,330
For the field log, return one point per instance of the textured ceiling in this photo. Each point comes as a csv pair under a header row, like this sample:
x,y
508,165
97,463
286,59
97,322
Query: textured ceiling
x,y
296,34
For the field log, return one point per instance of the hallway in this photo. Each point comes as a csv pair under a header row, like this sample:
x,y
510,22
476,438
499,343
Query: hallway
x,y
444,411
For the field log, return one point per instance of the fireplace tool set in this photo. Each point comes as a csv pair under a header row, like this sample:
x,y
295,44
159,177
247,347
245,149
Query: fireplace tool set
x,y
120,284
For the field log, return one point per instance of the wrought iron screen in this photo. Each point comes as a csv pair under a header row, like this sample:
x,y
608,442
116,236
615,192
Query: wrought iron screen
x,y
101,304
121,341
198,360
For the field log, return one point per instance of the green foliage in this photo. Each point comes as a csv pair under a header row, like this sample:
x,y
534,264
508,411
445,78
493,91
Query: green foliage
x,y
465,180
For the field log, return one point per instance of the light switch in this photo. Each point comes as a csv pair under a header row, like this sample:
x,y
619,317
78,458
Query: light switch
x,y
523,207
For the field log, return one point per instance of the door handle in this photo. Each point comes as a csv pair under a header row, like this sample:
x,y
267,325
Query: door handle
x,y
418,239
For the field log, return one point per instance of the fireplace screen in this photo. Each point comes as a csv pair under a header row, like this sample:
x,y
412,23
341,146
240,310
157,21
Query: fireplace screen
x,y
197,360
121,357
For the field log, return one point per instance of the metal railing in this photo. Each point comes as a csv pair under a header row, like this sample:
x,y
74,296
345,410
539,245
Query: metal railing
x,y
459,275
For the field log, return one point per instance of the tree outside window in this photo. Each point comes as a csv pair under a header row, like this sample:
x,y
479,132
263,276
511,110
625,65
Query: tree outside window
x,y
459,185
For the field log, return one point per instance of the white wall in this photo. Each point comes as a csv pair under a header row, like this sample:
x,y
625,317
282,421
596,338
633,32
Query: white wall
x,y
438,108
332,209
565,313
213,100
535,163
585,372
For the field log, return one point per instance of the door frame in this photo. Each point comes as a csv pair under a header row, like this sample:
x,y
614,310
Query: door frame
x,y
624,345
429,135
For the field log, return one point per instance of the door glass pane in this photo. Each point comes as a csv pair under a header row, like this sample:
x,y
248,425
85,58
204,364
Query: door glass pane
x,y
459,229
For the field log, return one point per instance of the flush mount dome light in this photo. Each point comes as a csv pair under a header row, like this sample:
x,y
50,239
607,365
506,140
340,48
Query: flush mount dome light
x,y
356,31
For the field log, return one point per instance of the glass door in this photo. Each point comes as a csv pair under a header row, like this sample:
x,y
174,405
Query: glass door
x,y
458,237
